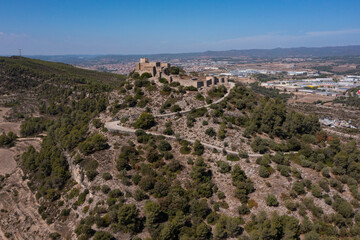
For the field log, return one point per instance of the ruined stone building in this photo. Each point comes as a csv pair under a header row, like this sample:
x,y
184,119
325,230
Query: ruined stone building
x,y
156,69
161,70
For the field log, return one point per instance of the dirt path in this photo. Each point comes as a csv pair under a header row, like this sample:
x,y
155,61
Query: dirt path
x,y
115,127
204,106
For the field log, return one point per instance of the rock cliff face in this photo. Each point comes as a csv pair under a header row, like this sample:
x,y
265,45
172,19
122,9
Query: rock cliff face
x,y
77,173
19,217
19,208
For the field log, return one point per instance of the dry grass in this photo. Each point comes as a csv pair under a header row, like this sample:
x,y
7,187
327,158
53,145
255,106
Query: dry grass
x,y
309,98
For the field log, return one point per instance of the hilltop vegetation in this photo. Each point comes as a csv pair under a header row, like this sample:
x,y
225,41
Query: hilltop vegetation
x,y
277,174
32,85
43,70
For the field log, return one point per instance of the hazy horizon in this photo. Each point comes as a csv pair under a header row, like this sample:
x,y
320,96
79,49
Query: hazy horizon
x,y
164,53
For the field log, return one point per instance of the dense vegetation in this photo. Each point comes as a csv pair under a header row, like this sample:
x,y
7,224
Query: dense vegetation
x,y
7,140
352,99
270,92
70,98
30,72
260,77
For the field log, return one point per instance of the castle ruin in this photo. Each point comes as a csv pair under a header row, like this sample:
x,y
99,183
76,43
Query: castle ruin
x,y
156,69
161,70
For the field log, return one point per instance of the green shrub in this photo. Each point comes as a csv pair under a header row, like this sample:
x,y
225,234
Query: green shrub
x,y
271,200
232,157
190,88
243,154
32,126
263,172
93,143
227,227
224,167
296,173
316,191
175,108
136,179
284,170
97,123
8,140
103,236
221,195
128,217
324,184
243,209
115,193
199,97
161,189
147,183
140,195
298,187
145,121
164,146
105,189
107,176
291,205
163,81
210,132
325,172
342,207
198,148
65,212
145,75
174,166
259,145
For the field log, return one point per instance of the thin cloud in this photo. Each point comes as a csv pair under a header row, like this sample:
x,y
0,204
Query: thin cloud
x,y
258,38
336,32
276,39
13,35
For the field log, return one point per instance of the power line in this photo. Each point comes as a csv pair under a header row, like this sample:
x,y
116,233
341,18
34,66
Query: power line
x,y
20,52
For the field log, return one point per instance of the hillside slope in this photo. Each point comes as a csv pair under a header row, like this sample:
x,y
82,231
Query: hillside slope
x,y
284,178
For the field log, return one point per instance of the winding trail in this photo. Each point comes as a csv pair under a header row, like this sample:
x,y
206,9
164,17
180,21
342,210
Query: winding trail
x,y
206,106
113,126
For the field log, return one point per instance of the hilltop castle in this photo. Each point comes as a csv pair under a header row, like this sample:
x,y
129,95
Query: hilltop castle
x,y
161,70
156,69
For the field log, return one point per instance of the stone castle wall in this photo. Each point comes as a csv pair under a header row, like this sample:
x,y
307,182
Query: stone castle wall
x,y
160,70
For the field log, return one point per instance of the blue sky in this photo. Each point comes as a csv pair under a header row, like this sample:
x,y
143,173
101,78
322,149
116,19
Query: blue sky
x,y
51,27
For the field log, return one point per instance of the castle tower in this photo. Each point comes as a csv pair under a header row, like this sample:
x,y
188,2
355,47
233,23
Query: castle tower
x,y
144,60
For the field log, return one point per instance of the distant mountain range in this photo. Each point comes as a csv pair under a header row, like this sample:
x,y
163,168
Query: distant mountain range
x,y
337,51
